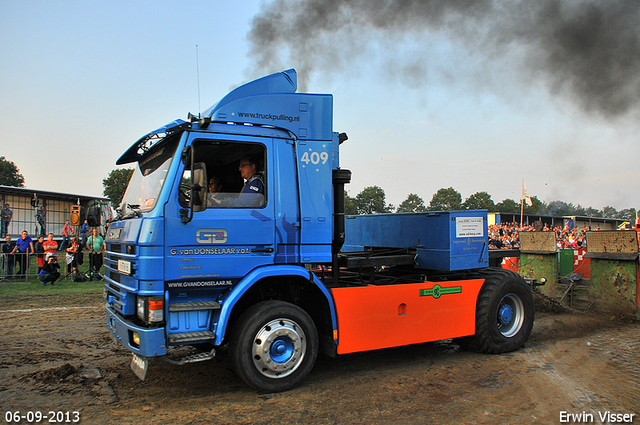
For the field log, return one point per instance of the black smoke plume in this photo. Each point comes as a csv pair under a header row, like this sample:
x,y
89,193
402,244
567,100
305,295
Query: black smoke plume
x,y
585,50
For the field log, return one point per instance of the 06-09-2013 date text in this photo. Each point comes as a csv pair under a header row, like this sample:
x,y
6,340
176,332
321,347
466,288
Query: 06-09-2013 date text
x,y
37,416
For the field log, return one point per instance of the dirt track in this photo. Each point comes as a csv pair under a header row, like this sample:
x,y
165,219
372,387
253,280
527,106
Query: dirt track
x,y
64,360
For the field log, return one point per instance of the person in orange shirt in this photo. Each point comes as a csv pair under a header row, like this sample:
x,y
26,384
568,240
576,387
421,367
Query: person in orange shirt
x,y
50,246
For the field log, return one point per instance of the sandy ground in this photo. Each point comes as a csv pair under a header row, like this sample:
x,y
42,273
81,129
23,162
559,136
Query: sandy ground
x,y
62,360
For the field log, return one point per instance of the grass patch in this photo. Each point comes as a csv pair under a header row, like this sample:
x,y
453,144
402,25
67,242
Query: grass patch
x,y
65,286
65,293
16,287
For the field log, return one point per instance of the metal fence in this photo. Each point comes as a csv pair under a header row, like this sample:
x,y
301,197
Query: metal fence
x,y
18,267
23,267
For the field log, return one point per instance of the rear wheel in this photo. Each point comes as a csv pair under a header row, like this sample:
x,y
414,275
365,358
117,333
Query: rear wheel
x,y
504,313
274,346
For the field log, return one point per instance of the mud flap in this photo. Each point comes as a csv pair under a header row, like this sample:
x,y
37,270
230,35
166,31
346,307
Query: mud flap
x,y
139,366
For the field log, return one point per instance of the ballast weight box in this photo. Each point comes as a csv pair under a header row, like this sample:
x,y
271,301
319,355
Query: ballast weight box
x,y
444,240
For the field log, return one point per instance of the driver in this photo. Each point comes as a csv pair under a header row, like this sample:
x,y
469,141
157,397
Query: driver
x,y
252,193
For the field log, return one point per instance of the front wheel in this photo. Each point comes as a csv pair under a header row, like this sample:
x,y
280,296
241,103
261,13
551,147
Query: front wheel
x,y
504,314
274,346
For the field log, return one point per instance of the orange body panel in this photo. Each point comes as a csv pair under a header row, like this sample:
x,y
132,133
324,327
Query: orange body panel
x,y
374,317
581,264
511,263
638,284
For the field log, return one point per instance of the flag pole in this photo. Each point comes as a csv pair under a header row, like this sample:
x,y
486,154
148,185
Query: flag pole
x,y
522,205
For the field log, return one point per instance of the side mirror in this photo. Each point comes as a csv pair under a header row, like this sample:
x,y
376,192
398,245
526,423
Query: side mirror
x,y
199,187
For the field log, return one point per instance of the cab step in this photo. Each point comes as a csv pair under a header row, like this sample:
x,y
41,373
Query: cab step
x,y
193,358
198,336
192,306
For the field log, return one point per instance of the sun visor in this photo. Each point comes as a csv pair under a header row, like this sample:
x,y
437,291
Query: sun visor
x,y
137,150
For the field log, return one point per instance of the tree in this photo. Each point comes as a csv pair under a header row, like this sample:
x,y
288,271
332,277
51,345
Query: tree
x,y
580,211
479,201
371,201
446,200
508,206
9,174
592,212
560,208
349,204
609,212
628,214
116,183
413,203
537,206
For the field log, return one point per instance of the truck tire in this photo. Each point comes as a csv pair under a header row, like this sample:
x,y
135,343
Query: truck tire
x,y
504,314
274,346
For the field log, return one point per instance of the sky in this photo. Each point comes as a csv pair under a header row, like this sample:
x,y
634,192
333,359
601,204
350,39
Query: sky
x,y
478,96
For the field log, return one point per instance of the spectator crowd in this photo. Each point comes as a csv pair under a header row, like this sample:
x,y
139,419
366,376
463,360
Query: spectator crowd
x,y
507,236
15,259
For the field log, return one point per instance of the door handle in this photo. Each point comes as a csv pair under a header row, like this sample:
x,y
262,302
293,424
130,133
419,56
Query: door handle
x,y
262,249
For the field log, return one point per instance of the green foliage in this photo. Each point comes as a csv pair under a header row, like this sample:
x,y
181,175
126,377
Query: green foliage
x,y
116,184
9,174
609,212
536,206
413,203
446,200
62,286
479,201
508,206
560,208
350,205
628,214
592,212
371,201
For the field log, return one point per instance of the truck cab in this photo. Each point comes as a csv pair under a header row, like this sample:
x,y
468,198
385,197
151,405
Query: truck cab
x,y
180,257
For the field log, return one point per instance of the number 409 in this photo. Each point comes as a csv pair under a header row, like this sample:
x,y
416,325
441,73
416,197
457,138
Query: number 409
x,y
315,157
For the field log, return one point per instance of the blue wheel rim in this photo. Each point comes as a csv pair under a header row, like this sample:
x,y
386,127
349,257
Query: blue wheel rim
x,y
281,350
510,315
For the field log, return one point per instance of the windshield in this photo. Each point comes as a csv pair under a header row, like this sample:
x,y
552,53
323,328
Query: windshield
x,y
148,177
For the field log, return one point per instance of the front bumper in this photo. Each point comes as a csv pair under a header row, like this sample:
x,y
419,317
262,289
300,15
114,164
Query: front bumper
x,y
152,341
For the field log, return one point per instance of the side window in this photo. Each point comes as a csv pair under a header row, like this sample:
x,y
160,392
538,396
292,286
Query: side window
x,y
236,173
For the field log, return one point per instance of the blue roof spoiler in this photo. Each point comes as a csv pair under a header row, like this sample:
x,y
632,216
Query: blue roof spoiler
x,y
280,82
273,101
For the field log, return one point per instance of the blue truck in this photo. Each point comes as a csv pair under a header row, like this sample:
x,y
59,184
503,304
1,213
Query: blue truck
x,y
266,265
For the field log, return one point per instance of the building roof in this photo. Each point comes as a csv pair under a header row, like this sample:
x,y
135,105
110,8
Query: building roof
x,y
23,191
546,218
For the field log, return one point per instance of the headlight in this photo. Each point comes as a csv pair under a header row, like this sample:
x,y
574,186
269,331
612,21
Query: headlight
x,y
150,309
